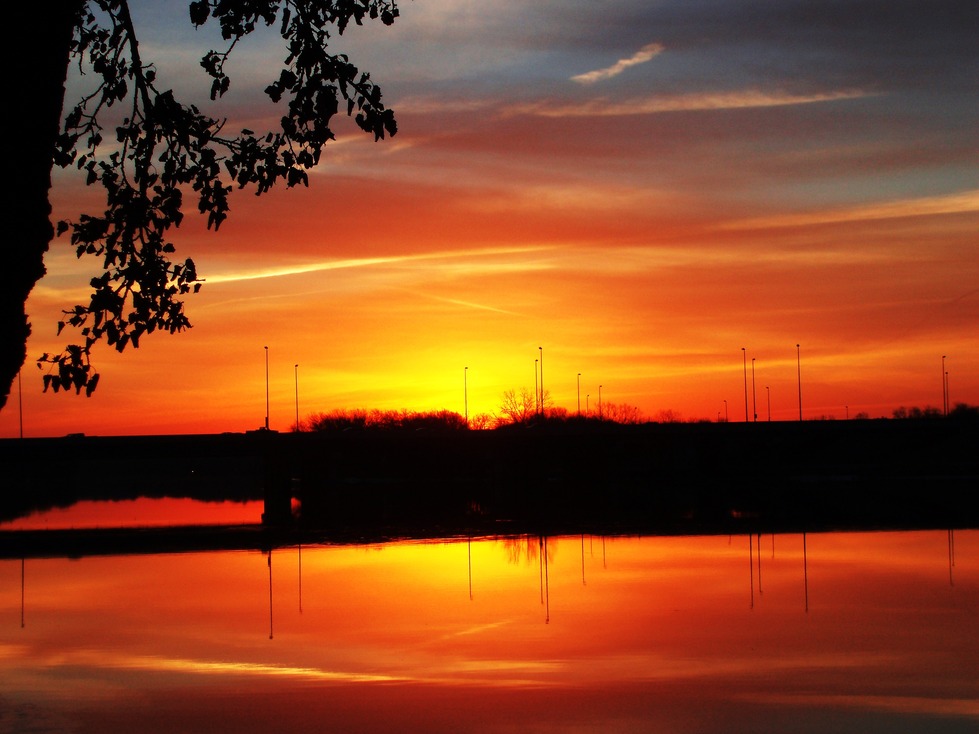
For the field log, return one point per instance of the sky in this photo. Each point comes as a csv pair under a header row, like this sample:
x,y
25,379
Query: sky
x,y
701,209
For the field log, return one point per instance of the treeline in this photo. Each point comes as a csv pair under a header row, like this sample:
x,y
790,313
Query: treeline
x,y
447,420
959,412
522,410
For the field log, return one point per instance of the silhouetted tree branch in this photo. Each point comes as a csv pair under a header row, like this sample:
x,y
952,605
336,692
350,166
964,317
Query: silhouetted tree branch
x,y
160,151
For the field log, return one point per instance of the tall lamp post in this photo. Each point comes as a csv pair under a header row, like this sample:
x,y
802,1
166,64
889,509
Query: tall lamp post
x,y
744,360
536,388
465,392
725,410
599,402
266,388
579,394
798,367
754,395
944,388
768,392
297,397
541,349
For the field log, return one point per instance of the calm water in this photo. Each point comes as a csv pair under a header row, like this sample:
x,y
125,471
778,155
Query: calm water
x,y
856,632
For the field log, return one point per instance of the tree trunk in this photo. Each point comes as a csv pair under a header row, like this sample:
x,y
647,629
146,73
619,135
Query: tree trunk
x,y
38,73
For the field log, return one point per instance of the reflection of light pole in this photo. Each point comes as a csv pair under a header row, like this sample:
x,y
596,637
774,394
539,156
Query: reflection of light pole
x,y
944,388
754,398
266,388
465,392
744,359
579,394
297,398
798,366
769,393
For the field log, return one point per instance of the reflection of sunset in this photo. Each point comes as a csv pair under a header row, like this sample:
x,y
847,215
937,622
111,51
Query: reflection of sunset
x,y
642,204
654,624
144,512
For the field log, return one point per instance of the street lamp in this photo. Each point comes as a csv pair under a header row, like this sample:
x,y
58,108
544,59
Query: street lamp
x,y
725,410
754,397
599,402
798,366
465,391
768,392
297,398
744,360
944,388
541,380
579,394
266,388
536,388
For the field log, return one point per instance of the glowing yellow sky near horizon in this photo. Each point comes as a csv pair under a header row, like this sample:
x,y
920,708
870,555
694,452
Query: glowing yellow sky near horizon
x,y
642,227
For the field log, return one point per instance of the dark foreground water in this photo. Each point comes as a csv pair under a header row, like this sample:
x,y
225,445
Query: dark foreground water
x,y
828,632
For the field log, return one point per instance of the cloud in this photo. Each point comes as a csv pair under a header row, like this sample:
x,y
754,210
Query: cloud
x,y
959,203
461,260
647,52
743,99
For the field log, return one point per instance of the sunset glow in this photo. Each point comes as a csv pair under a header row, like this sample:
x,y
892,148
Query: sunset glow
x,y
635,191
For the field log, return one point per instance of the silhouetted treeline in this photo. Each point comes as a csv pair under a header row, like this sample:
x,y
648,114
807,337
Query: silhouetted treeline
x,y
961,411
344,420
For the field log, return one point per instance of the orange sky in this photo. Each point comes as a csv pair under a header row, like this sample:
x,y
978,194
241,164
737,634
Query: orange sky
x,y
642,193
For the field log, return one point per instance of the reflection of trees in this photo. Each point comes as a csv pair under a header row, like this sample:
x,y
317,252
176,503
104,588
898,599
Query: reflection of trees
x,y
526,548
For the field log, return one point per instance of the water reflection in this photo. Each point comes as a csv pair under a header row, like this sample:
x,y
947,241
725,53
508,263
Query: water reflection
x,y
487,635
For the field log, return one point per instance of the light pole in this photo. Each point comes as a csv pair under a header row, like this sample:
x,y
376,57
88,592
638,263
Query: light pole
x,y
541,380
536,388
599,402
944,388
725,410
744,360
798,367
297,398
754,395
465,392
768,392
579,394
587,403
266,388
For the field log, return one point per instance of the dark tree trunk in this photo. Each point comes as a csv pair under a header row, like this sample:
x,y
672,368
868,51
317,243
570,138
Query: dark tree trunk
x,y
37,73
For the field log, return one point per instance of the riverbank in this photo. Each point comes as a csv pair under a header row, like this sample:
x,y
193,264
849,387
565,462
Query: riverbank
x,y
547,478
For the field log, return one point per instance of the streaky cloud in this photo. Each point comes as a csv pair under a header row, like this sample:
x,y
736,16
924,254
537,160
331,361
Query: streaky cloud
x,y
467,304
367,262
646,53
963,202
699,102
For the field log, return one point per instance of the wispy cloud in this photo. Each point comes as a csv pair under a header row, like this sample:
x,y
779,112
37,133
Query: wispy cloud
x,y
366,262
647,52
966,201
744,99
